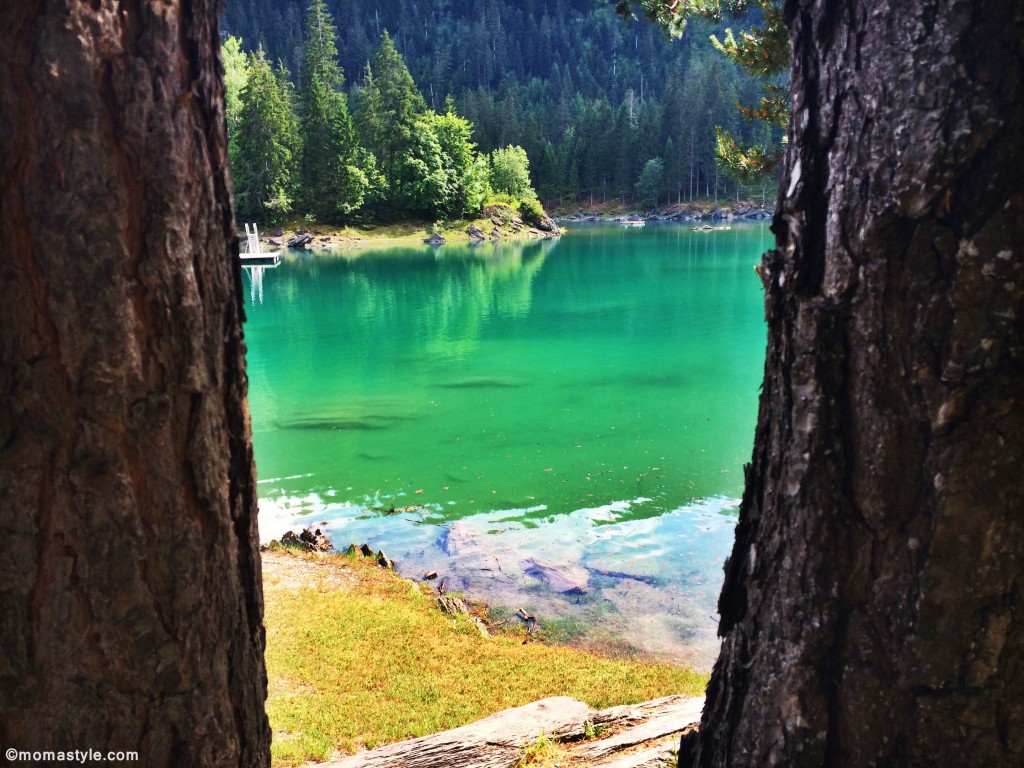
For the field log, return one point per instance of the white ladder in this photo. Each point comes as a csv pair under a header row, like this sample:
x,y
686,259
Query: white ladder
x,y
253,239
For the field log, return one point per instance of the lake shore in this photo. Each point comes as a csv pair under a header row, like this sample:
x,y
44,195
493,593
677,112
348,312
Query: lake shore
x,y
500,223
701,210
497,222
358,657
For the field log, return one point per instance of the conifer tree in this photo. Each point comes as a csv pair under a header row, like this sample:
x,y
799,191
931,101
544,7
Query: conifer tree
x,y
390,104
333,181
763,50
267,144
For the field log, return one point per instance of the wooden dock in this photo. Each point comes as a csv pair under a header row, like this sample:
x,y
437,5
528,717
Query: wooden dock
x,y
253,255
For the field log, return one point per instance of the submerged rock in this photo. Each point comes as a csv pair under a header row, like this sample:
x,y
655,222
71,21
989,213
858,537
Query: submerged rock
x,y
435,239
566,579
456,540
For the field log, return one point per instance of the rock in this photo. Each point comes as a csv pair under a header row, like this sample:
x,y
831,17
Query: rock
x,y
479,624
275,241
546,224
456,540
291,539
497,222
384,561
316,540
565,579
435,239
299,241
430,575
474,232
365,549
453,605
276,232
495,232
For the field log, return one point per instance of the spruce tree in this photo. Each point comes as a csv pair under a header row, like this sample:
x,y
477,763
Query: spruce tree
x,y
267,144
390,104
333,183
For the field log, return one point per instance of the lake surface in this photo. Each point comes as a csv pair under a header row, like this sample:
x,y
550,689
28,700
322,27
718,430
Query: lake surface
x,y
561,425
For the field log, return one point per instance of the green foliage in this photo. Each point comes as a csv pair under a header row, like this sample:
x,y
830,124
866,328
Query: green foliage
x,y
547,77
388,110
763,50
319,49
510,172
333,179
531,210
441,174
236,73
267,141
651,181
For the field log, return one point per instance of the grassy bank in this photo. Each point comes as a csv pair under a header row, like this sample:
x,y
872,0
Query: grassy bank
x,y
358,657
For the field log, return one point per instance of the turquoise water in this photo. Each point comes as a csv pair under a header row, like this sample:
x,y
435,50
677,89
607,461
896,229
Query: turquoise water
x,y
588,401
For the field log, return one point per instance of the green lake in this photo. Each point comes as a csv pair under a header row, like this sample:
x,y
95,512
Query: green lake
x,y
581,407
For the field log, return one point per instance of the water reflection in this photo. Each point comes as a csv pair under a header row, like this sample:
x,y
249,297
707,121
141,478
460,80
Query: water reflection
x,y
588,402
255,274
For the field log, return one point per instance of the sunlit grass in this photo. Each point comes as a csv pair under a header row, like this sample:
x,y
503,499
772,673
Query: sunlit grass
x,y
377,662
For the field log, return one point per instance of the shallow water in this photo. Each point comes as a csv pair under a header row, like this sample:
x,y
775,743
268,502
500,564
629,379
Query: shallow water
x,y
587,402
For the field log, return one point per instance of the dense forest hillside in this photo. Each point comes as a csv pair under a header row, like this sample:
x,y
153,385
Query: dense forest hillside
x,y
599,105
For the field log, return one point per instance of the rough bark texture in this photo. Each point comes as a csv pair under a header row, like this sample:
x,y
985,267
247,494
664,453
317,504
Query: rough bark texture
x,y
873,611
129,571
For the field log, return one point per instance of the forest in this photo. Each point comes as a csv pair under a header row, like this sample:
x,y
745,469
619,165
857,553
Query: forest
x,y
590,108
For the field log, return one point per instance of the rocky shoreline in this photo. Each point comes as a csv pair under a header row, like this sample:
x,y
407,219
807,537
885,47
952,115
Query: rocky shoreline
x,y
496,222
744,211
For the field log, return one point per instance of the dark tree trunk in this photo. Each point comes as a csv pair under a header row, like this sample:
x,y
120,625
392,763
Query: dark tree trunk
x,y
130,589
873,607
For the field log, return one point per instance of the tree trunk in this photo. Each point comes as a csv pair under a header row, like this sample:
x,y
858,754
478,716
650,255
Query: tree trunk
x,y
129,571
873,607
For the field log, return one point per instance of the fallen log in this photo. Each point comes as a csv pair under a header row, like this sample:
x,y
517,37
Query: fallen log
x,y
494,742
498,741
670,718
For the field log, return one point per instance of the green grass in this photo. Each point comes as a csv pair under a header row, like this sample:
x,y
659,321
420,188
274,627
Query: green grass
x,y
377,662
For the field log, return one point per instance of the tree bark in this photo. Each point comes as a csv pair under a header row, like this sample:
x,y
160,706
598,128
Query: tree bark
x,y
873,607
129,569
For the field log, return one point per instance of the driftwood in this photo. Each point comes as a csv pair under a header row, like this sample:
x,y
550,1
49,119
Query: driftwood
x,y
494,742
671,716
656,757
498,741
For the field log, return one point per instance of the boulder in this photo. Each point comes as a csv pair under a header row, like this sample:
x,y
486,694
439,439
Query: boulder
x,y
546,224
475,232
435,239
299,240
